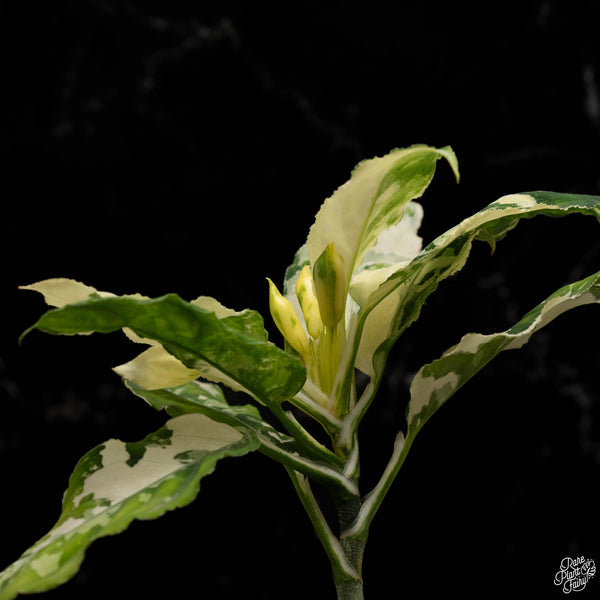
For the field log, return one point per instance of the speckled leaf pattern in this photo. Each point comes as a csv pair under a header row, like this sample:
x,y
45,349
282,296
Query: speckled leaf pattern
x,y
233,349
118,482
437,381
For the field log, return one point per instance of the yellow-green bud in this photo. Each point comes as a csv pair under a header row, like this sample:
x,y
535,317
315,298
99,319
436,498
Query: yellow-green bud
x,y
305,290
287,320
329,276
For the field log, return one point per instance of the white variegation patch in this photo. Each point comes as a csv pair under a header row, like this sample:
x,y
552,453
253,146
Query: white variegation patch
x,y
399,243
117,480
423,390
552,309
394,249
213,305
375,332
61,291
520,200
471,343
45,564
156,369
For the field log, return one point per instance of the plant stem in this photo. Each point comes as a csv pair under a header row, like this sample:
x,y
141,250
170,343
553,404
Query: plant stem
x,y
343,569
372,501
350,590
311,446
353,548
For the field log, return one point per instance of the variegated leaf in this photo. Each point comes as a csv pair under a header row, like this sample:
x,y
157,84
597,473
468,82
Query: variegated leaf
x,y
372,201
233,349
321,465
118,482
156,369
397,302
363,223
61,291
395,246
437,381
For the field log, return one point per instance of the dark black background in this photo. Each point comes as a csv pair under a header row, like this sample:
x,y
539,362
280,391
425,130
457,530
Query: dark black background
x,y
186,146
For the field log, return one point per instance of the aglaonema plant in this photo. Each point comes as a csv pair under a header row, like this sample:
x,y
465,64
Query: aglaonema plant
x,y
352,290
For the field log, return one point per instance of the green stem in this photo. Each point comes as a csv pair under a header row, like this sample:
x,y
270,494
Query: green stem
x,y
343,569
312,447
372,501
317,411
350,590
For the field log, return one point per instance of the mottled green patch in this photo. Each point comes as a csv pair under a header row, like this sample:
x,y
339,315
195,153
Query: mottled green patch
x,y
406,180
137,450
375,266
566,201
247,322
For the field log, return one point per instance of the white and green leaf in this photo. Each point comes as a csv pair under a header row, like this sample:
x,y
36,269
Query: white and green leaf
x,y
315,461
370,222
372,201
437,381
231,348
396,302
118,482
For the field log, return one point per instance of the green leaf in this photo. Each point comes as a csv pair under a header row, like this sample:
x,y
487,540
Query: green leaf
x,y
189,398
437,381
233,349
118,482
321,465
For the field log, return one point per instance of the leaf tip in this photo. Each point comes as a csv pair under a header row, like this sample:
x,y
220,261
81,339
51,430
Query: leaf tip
x,y
24,334
448,153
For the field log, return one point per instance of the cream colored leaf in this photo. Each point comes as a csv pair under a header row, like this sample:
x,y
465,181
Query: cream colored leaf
x,y
60,291
394,249
156,369
371,202
213,305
